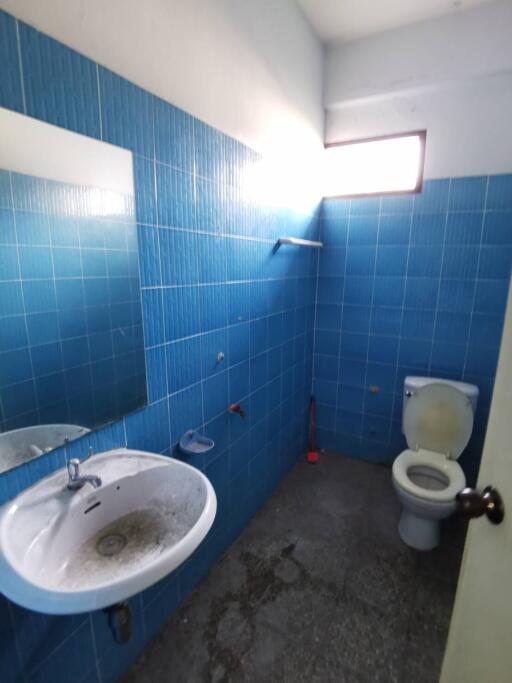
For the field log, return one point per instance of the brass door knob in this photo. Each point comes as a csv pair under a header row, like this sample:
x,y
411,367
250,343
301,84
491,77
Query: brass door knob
x,y
475,503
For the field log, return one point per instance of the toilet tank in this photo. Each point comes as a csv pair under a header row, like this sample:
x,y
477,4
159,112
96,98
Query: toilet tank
x,y
412,384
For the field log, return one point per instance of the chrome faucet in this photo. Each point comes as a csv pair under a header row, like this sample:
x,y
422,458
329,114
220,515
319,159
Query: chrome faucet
x,y
77,480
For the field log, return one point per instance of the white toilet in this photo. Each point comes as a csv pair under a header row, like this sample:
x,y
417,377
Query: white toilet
x,y
437,423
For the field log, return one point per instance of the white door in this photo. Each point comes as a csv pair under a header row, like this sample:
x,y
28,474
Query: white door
x,y
479,647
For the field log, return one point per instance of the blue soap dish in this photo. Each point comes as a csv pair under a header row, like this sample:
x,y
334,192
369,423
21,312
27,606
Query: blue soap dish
x,y
193,443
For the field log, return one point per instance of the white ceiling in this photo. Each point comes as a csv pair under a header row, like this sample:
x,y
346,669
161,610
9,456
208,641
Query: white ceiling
x,y
344,20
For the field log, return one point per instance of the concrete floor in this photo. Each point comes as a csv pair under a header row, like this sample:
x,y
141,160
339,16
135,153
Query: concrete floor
x,y
317,588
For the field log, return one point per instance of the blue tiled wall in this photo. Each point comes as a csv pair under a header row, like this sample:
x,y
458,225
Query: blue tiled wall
x,y
71,342
409,285
210,283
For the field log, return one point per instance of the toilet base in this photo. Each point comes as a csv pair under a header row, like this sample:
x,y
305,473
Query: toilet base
x,y
417,532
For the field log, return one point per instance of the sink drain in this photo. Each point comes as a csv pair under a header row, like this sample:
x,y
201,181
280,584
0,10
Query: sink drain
x,y
111,544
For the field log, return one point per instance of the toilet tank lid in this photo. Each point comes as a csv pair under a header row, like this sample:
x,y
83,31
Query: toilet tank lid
x,y
413,383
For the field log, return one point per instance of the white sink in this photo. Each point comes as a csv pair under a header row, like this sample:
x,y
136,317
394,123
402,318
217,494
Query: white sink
x,y
63,552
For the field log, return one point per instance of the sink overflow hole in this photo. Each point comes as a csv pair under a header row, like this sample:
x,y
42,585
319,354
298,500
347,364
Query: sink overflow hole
x,y
97,504
111,544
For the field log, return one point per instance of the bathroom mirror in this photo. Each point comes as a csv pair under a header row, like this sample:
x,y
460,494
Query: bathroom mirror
x,y
71,342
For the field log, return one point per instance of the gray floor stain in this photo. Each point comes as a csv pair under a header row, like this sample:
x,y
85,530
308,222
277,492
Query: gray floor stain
x,y
318,587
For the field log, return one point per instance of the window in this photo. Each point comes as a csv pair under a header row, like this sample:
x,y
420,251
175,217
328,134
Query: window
x,y
388,164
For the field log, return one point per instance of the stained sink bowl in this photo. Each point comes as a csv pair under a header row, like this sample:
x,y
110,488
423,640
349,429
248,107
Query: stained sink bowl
x,y
64,552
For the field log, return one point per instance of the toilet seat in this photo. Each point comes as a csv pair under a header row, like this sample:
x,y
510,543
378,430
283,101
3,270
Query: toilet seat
x,y
439,419
434,461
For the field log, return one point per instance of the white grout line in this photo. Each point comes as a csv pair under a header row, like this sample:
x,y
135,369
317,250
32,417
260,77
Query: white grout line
x,y
440,279
20,65
99,100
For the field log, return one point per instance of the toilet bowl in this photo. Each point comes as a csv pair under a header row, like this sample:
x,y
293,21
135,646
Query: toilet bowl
x,y
437,423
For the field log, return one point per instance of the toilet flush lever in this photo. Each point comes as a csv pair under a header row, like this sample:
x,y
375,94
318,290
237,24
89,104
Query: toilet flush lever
x,y
475,503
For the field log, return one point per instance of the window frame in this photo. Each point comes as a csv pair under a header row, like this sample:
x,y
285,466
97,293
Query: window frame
x,y
421,134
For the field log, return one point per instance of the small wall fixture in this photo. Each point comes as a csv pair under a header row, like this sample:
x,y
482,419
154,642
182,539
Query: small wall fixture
x,y
193,443
298,242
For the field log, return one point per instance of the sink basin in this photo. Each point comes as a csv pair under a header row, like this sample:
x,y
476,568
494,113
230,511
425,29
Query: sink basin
x,y
63,552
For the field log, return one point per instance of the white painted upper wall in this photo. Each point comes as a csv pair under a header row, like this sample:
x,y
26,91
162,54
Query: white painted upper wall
x,y
250,69
451,75
337,21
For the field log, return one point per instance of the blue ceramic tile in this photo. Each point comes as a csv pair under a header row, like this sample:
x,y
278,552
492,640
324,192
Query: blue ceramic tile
x,y
452,327
394,229
215,395
358,289
178,251
498,228
145,190
174,136
383,349
10,85
433,198
7,229
11,299
415,353
239,382
456,295
428,229
325,392
335,208
448,358
495,262
460,262
186,411
183,363
60,84
385,320
363,230
9,269
327,343
209,146
388,291
126,113
239,343
334,231
481,360
464,228
468,194
491,296
332,262
486,329
349,422
421,292
181,312
329,290
360,260
381,375
418,323
214,356
353,346
365,206
379,404
425,261
356,319
350,398
175,192
213,307
391,260
499,194
352,373
148,429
